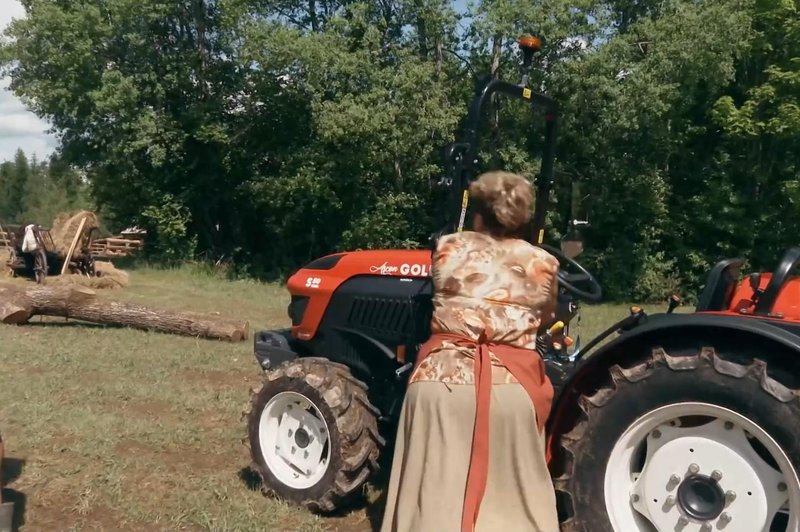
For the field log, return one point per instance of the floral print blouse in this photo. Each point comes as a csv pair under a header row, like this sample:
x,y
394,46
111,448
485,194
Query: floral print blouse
x,y
504,288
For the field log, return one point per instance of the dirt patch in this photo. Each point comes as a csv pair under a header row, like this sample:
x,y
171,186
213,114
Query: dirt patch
x,y
63,443
148,408
11,368
57,514
219,378
173,460
355,522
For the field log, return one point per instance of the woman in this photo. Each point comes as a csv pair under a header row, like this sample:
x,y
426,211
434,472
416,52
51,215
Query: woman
x,y
493,292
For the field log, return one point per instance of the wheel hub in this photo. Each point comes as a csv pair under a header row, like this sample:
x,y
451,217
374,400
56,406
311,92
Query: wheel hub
x,y
701,497
301,438
294,440
671,473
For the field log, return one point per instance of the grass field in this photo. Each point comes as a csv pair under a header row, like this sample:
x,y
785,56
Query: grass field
x,y
115,429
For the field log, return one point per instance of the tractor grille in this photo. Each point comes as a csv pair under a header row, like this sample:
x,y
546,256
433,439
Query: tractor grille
x,y
297,309
381,315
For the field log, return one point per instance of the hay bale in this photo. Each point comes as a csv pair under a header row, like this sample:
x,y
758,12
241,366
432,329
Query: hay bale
x,y
66,225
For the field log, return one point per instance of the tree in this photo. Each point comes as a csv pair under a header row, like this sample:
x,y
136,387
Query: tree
x,y
277,131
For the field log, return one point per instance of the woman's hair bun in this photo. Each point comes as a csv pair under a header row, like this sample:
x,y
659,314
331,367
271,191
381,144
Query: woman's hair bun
x,y
503,197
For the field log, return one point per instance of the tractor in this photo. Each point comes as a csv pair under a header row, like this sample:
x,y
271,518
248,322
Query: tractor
x,y
672,421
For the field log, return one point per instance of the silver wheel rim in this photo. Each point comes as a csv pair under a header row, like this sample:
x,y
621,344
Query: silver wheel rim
x,y
668,469
294,440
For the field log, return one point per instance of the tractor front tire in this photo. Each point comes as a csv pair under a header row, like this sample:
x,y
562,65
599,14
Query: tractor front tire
x,y
313,434
690,441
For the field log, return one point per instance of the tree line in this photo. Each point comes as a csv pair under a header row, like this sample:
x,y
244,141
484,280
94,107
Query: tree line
x,y
34,191
271,132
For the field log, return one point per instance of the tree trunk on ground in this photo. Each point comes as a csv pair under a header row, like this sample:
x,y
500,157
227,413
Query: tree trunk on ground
x,y
18,304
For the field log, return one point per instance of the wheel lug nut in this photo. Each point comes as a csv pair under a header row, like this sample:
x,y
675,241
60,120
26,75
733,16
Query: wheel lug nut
x,y
656,434
674,480
730,496
705,527
694,469
716,475
669,502
682,522
724,519
782,486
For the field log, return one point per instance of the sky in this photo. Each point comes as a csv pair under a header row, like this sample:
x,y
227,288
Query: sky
x,y
19,128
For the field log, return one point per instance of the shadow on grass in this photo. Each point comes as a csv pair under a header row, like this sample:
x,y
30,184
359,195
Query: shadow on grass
x,y
374,509
12,470
56,323
250,479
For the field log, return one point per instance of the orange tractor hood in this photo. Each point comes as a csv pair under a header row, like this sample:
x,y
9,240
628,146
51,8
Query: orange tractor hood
x,y
319,279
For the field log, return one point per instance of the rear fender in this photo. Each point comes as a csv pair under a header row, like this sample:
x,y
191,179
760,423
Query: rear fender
x,y
780,347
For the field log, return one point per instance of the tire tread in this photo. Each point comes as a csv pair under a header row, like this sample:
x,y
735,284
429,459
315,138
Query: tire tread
x,y
572,443
356,422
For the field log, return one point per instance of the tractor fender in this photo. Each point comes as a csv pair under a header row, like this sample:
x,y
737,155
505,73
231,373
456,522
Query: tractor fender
x,y
663,329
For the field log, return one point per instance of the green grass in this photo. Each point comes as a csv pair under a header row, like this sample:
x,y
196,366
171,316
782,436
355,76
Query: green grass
x,y
115,429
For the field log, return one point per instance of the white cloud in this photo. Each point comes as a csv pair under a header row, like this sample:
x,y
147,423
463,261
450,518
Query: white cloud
x,y
19,128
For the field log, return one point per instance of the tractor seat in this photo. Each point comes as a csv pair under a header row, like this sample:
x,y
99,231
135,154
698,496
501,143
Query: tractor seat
x,y
720,286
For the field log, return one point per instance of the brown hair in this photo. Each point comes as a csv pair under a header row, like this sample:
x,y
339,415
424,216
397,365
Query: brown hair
x,y
504,200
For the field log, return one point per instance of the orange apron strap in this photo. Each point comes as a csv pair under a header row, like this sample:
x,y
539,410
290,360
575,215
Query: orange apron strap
x,y
532,377
478,474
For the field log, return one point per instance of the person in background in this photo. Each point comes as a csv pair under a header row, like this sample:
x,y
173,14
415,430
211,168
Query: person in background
x,y
459,463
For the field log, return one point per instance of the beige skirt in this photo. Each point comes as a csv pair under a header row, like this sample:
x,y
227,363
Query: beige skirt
x,y
431,459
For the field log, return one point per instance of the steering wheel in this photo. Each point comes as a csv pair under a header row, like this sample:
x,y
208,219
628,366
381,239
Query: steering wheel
x,y
570,274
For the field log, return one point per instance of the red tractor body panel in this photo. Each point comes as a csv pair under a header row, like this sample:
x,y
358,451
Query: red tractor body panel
x,y
787,304
319,284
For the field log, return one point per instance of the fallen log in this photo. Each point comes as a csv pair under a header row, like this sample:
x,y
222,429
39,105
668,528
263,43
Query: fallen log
x,y
19,304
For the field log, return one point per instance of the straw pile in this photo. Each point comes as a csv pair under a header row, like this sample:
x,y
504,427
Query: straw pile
x,y
66,225
107,276
5,256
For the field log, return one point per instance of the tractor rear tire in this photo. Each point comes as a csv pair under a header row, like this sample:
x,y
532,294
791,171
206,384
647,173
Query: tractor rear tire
x,y
313,434
632,451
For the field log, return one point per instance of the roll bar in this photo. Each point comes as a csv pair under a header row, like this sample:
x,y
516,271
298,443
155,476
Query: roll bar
x,y
461,158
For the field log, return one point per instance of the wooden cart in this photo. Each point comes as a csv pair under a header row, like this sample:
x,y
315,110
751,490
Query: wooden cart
x,y
38,264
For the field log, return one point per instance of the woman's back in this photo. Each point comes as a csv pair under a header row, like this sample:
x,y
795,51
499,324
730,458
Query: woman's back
x,y
454,450
502,288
